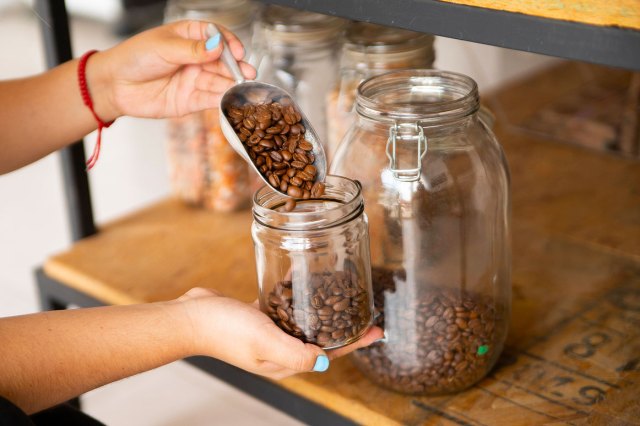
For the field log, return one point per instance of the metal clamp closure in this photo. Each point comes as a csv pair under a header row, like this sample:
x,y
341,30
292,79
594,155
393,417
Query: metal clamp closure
x,y
396,133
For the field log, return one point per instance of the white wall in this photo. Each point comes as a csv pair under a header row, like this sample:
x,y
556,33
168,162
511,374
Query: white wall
x,y
33,219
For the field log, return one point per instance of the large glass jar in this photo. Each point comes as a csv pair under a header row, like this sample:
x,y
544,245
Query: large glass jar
x,y
368,50
298,51
204,169
436,189
313,264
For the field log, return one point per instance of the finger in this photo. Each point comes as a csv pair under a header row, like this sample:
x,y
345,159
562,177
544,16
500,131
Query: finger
x,y
198,292
210,82
183,51
373,334
201,100
218,67
290,353
197,30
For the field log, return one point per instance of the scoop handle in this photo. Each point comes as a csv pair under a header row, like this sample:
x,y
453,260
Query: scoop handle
x,y
227,56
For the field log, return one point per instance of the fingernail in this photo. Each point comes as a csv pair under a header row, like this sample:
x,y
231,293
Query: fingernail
x,y
213,42
322,363
383,339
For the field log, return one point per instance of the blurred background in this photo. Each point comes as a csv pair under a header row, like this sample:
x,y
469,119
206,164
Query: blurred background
x,y
132,173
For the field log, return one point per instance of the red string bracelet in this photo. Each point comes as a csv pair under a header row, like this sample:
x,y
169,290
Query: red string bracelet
x,y
86,98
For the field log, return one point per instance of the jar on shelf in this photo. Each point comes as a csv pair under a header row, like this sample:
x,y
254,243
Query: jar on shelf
x,y
204,170
436,189
368,50
298,51
313,263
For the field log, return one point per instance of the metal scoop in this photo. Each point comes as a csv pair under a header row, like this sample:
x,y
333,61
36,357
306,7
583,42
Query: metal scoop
x,y
253,92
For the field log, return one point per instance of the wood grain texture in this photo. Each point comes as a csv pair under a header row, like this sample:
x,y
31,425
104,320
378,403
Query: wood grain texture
x,y
573,350
616,13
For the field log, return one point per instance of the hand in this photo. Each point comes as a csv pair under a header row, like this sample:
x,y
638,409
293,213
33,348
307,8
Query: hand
x,y
241,335
163,72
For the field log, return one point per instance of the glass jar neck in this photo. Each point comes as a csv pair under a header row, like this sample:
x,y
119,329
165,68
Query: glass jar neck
x,y
428,97
342,201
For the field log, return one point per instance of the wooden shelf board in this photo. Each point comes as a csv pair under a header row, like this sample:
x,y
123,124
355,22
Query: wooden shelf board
x,y
614,13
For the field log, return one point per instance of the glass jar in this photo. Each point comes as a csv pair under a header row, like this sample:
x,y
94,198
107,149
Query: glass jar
x,y
205,171
313,264
298,51
436,189
368,50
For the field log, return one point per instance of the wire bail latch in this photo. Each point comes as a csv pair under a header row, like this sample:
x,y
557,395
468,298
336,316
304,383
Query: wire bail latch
x,y
406,132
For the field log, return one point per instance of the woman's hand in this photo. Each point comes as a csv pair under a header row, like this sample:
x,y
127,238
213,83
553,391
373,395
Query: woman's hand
x,y
241,335
167,71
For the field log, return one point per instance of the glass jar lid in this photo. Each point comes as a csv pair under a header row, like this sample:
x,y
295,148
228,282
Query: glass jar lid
x,y
230,13
291,26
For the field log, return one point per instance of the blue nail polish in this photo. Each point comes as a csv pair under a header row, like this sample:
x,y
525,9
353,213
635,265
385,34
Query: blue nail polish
x,y
213,42
383,339
322,363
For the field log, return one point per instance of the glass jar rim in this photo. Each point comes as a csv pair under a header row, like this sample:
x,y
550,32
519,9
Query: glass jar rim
x,y
368,38
345,192
423,95
287,26
234,14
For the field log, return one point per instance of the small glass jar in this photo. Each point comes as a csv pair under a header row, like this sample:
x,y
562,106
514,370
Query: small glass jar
x,y
368,50
313,264
436,189
205,171
298,51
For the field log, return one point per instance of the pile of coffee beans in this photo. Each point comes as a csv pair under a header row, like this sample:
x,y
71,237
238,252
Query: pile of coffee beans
x,y
273,135
329,309
440,341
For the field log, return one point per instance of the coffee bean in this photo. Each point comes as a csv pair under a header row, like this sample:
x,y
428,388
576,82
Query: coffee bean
x,y
290,204
317,190
306,145
320,317
274,180
437,335
276,156
294,191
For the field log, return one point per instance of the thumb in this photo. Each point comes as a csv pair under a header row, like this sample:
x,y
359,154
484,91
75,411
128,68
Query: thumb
x,y
290,353
187,51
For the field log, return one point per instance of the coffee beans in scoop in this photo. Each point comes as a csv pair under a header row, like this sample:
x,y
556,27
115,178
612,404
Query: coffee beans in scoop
x,y
273,136
330,309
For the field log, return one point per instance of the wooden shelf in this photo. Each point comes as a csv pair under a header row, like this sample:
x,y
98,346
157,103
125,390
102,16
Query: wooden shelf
x,y
576,274
604,32
613,13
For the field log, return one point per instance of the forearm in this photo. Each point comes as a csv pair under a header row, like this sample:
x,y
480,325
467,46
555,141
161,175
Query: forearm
x,y
41,114
50,357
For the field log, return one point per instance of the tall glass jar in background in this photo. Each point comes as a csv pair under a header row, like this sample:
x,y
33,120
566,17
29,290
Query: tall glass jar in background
x,y
298,51
436,190
205,171
368,50
313,263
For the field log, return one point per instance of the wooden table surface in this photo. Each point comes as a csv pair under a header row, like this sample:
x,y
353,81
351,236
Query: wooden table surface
x,y
573,350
